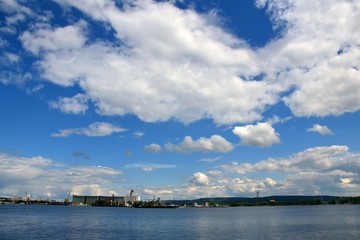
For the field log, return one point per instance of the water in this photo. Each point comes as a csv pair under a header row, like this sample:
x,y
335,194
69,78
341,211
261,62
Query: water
x,y
67,222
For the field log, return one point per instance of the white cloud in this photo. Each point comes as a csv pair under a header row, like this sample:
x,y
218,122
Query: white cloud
x,y
317,54
48,39
332,170
7,30
276,119
323,130
200,178
14,19
259,135
96,129
12,6
3,42
15,13
153,148
215,143
14,77
46,178
322,170
213,184
179,64
189,73
210,160
319,170
13,58
75,105
215,173
323,182
313,159
34,89
164,192
148,167
138,134
250,186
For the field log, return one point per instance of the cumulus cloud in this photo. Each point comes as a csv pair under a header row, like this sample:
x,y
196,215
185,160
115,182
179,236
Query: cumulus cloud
x,y
189,73
250,186
48,179
332,170
313,159
214,183
197,69
200,178
317,54
319,170
96,129
323,182
153,148
259,135
314,171
75,105
148,167
14,7
16,13
215,143
211,184
53,39
323,130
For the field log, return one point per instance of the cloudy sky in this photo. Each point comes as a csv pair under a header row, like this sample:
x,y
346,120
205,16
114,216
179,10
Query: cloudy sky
x,y
179,99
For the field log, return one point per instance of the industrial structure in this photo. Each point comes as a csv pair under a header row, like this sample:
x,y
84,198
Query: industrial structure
x,y
106,200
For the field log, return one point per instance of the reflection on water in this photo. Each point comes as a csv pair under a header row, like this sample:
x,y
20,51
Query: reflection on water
x,y
293,222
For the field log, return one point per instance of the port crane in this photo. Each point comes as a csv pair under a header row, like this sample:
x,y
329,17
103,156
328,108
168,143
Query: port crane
x,y
67,200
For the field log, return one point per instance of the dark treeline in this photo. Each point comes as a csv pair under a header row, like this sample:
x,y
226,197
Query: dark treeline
x,y
269,201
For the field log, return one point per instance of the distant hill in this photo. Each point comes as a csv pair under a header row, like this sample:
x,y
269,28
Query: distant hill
x,y
280,200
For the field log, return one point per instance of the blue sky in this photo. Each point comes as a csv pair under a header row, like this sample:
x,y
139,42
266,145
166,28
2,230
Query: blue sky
x,y
179,99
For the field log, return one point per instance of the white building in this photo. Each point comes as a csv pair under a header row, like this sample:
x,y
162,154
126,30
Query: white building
x,y
132,198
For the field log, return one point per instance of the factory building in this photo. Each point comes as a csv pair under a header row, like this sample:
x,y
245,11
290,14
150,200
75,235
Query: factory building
x,y
106,200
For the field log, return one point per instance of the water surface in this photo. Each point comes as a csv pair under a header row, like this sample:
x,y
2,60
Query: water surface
x,y
290,222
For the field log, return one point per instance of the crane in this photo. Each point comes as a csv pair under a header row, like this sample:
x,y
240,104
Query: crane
x,y
67,200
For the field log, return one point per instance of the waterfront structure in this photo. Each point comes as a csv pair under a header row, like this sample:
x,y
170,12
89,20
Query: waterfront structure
x,y
132,198
4,200
106,200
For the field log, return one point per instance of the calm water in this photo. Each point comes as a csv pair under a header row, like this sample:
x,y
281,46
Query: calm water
x,y
67,222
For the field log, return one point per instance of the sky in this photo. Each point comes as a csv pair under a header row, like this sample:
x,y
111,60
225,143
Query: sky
x,y
180,99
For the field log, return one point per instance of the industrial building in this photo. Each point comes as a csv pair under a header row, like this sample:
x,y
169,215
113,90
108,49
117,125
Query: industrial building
x,y
106,200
